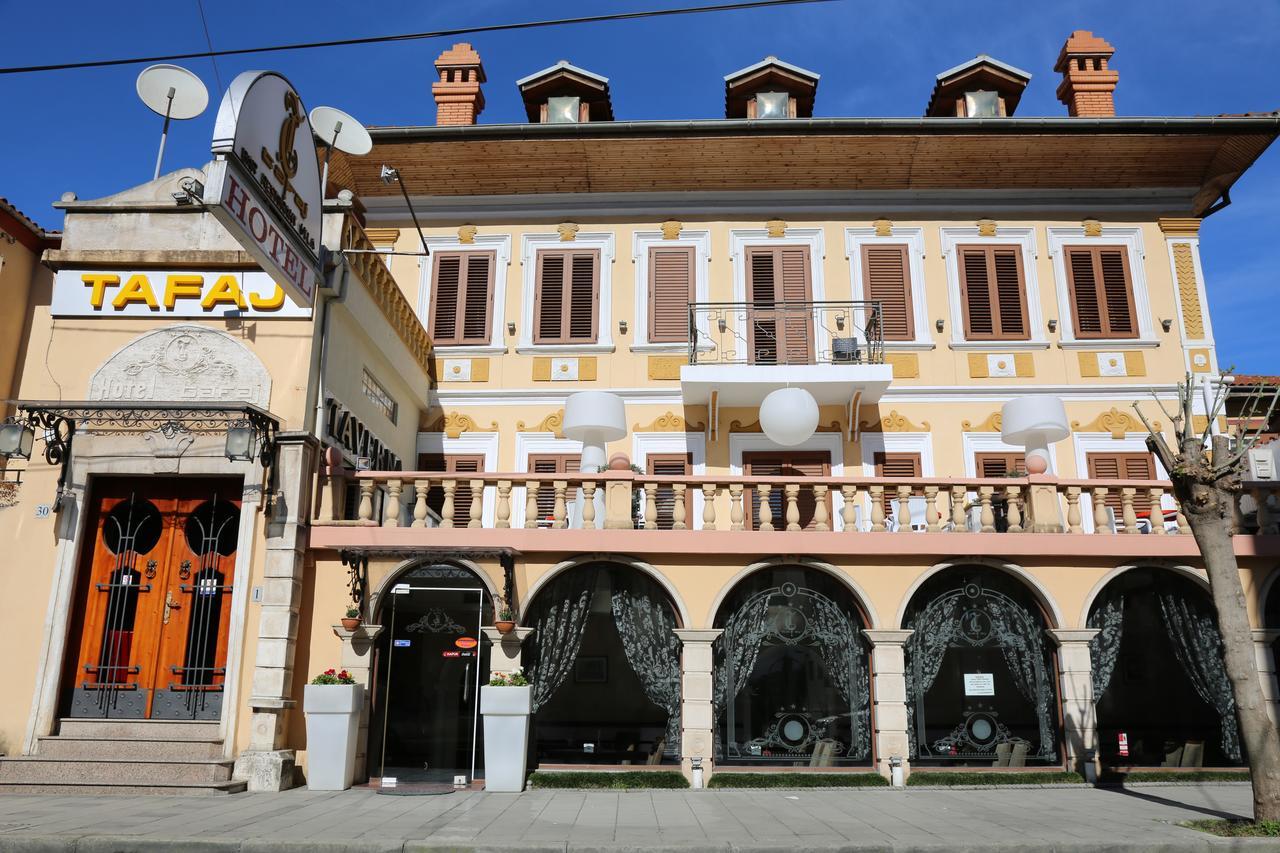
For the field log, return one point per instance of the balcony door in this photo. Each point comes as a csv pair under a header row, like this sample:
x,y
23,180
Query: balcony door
x,y
152,612
779,310
786,465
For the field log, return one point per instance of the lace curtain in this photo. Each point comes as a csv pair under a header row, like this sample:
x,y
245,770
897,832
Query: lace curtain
x,y
1198,647
736,650
646,627
844,656
931,634
1104,648
558,630
1019,635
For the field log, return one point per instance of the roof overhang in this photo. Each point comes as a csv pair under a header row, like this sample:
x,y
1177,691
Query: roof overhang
x,y
1193,158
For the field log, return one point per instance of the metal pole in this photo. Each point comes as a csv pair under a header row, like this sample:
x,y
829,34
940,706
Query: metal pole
x,y
164,133
328,152
475,716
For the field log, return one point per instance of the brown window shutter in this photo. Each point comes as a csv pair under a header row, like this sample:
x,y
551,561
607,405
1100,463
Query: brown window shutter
x,y
762,293
887,280
568,289
1123,466
797,339
794,464
671,465
461,297
993,295
551,463
461,464
991,465
445,297
779,276
671,290
896,465
1101,292
549,310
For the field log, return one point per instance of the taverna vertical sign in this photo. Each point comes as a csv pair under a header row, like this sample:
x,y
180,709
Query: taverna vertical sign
x,y
264,184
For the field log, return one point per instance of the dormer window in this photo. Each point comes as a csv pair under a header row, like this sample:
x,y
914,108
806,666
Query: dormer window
x,y
563,110
773,105
770,89
565,94
980,88
981,104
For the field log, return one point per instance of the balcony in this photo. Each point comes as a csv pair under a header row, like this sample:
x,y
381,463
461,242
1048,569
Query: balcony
x,y
740,351
749,516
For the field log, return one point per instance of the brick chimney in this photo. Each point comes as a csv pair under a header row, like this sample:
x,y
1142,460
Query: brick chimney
x,y
457,92
1087,86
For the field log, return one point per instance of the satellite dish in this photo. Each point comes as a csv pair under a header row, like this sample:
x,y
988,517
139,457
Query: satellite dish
x,y
173,92
337,129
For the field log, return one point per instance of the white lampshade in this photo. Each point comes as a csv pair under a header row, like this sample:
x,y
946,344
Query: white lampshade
x,y
594,417
1034,422
789,416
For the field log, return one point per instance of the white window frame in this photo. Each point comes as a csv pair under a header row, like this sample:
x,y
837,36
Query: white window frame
x,y
832,443
641,243
693,443
467,444
913,239
1025,239
530,245
1084,443
499,245
741,239
974,443
1131,240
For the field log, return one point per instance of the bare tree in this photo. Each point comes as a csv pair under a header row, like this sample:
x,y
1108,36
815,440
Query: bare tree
x,y
1208,473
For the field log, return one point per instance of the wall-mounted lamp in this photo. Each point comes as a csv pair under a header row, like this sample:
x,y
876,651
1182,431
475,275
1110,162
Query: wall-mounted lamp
x,y
511,328
1053,325
622,327
840,322
722,325
1166,324
242,442
16,440
939,324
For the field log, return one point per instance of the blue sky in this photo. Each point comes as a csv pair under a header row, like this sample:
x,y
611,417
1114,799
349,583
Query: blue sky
x,y
86,131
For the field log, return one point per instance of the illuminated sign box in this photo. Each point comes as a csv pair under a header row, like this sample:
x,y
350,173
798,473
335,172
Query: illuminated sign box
x,y
171,294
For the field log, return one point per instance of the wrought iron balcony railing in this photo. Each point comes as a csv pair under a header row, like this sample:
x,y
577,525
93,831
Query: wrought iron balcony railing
x,y
785,333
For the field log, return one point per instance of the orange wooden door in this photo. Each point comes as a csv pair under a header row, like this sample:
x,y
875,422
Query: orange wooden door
x,y
141,610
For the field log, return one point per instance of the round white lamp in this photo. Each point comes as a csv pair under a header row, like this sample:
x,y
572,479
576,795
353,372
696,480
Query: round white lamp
x,y
1034,422
789,416
594,418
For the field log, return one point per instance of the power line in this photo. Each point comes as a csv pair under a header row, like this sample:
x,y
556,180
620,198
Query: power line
x,y
492,28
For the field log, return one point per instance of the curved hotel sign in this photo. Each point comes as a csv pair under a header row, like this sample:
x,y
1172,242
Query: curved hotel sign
x,y
264,184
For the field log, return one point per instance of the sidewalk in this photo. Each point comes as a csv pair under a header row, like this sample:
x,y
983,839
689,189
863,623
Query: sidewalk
x,y
1058,819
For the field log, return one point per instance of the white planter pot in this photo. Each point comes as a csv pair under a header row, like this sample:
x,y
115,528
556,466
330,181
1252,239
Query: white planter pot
x,y
333,723
506,736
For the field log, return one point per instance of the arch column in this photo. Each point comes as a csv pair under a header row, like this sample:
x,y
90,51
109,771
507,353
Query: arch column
x,y
697,713
357,658
1075,692
1263,640
889,686
504,655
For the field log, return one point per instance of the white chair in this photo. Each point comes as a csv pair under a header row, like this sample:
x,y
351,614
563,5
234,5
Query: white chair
x,y
917,507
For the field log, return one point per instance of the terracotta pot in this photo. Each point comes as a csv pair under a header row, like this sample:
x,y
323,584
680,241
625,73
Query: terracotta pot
x,y
350,623
505,626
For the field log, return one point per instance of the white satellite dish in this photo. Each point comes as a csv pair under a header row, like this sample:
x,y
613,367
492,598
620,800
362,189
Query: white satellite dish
x,y
173,92
337,129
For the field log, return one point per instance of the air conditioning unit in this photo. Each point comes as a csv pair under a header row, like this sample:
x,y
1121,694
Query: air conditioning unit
x,y
1263,461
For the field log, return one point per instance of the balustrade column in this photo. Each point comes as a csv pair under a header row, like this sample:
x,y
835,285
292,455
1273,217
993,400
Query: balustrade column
x,y
1101,518
477,504
697,713
1075,689
821,517
558,511
391,510
365,511
877,509
765,510
1073,509
736,514
531,504
889,686
588,505
904,509
502,514
792,492
1127,511
650,506
446,508
988,514
959,522
931,515
679,510
420,488
849,512
708,506
1013,508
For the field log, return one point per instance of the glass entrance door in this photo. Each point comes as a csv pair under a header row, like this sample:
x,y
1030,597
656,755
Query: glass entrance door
x,y
430,678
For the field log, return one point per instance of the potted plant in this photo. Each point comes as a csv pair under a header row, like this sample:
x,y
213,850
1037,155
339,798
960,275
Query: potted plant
x,y
506,704
332,703
351,621
506,621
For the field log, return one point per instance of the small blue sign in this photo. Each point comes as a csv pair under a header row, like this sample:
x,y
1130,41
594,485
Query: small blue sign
x,y
402,644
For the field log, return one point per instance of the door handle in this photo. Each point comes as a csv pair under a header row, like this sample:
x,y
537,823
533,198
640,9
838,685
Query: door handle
x,y
170,603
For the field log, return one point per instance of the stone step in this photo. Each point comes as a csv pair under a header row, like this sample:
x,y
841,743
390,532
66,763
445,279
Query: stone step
x,y
42,770
202,789
137,749
148,729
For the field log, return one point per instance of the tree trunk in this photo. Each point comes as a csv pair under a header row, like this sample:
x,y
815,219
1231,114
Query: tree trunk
x,y
1211,525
